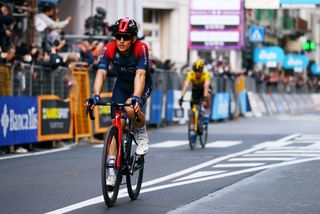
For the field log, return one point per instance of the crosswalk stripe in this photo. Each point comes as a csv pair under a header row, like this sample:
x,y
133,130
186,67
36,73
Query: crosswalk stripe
x,y
282,154
199,174
287,151
169,144
231,165
222,144
262,159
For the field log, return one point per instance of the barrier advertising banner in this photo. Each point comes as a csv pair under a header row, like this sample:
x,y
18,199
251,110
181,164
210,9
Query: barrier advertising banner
x,y
221,106
55,120
18,120
102,115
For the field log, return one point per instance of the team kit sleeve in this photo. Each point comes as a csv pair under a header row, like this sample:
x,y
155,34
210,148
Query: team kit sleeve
x,y
104,60
143,56
207,76
189,76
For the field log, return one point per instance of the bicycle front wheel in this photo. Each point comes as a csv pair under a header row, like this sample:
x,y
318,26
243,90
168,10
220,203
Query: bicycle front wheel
x,y
109,194
134,176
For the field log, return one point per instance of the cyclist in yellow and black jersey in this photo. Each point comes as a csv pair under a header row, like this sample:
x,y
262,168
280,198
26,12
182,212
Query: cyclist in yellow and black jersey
x,y
201,86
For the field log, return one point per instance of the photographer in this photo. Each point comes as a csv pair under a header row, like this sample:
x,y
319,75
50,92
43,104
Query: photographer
x,y
95,25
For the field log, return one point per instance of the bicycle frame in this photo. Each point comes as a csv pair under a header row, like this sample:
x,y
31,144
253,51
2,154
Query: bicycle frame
x,y
117,123
195,113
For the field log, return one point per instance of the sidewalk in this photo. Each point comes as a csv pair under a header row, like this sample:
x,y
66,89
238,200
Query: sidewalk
x,y
293,189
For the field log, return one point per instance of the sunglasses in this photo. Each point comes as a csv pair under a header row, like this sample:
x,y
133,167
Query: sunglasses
x,y
124,36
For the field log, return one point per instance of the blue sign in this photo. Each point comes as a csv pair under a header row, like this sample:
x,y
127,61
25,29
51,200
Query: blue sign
x,y
299,1
256,34
268,54
169,107
244,102
315,69
221,106
156,106
293,61
19,120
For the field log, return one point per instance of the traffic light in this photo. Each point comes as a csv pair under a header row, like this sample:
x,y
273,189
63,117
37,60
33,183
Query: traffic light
x,y
309,46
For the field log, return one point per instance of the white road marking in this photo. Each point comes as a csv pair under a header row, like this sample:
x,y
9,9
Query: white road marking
x,y
282,154
261,159
169,144
199,174
176,143
98,146
99,199
233,165
37,153
287,151
222,144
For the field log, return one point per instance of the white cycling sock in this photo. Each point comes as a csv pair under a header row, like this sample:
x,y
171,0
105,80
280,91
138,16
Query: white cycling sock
x,y
111,163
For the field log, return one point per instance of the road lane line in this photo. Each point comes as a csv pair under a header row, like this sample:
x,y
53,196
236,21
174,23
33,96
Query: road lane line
x,y
37,153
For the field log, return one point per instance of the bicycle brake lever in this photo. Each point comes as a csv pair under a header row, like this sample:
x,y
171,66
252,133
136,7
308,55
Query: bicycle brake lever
x,y
90,112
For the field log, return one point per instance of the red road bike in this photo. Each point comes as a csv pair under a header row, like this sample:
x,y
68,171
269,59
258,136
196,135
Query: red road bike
x,y
127,163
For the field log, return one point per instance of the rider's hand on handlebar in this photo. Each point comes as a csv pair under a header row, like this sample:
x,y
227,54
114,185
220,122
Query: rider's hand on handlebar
x,y
136,103
93,101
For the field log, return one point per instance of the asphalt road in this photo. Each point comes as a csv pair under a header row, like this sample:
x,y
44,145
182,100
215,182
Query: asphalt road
x,y
250,165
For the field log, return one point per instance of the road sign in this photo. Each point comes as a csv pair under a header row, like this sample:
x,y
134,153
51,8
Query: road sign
x,y
256,34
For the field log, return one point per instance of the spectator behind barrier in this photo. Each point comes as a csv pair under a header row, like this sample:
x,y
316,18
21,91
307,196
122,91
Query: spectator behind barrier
x,y
6,28
44,24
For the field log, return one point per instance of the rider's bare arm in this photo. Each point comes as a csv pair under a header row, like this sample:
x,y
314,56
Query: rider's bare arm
x,y
185,87
99,81
206,88
139,82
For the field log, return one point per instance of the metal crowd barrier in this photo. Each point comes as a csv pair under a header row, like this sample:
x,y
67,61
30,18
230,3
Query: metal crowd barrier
x,y
32,80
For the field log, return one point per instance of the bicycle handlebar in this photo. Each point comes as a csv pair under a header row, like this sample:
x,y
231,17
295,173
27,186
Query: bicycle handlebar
x,y
105,103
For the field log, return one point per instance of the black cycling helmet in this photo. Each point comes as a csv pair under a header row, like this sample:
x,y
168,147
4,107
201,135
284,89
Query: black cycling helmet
x,y
198,66
125,25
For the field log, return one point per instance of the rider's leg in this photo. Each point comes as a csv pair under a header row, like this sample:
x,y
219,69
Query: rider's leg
x,y
118,97
141,130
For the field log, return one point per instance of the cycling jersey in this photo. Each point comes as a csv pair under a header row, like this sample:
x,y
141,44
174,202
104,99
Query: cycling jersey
x,y
198,83
126,67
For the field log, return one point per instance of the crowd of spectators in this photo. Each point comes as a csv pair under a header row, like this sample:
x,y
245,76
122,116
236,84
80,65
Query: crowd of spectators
x,y
50,48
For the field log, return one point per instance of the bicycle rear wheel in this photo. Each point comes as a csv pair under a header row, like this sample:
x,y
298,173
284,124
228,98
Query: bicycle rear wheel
x,y
134,176
192,136
109,194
